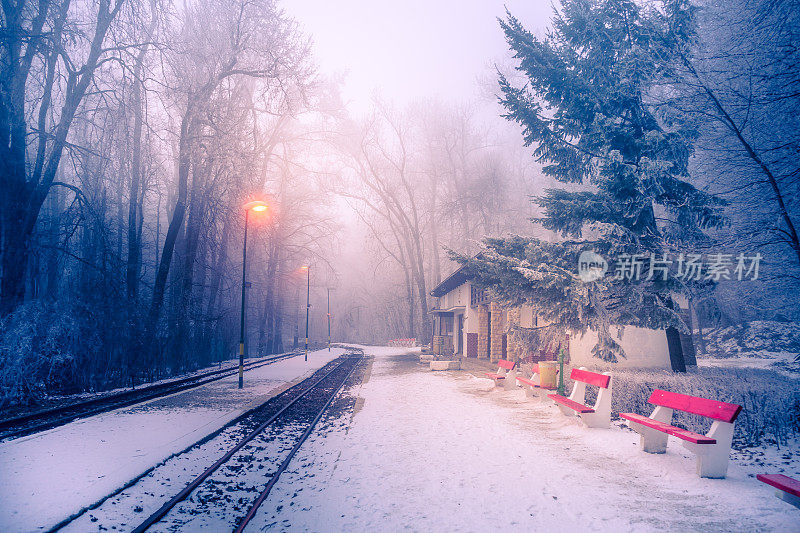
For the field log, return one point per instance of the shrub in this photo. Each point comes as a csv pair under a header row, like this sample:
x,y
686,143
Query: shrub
x,y
39,348
759,338
771,401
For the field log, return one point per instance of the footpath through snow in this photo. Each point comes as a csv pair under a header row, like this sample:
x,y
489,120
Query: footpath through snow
x,y
445,452
45,478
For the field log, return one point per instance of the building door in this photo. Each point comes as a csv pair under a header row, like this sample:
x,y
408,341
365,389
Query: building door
x,y
460,334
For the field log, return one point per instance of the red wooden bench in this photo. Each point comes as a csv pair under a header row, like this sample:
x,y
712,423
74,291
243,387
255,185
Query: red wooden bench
x,y
712,449
788,488
596,416
504,369
532,385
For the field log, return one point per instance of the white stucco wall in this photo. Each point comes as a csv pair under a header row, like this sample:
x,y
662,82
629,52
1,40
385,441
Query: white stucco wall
x,y
526,316
644,348
457,297
471,314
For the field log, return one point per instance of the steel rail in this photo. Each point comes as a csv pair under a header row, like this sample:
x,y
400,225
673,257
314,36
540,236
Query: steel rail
x,y
239,419
123,399
164,509
274,479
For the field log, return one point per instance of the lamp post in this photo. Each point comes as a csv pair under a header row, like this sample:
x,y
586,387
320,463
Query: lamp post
x,y
307,268
257,206
329,319
296,317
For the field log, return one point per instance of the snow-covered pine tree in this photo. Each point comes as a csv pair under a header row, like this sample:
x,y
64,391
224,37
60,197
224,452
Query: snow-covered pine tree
x,y
592,108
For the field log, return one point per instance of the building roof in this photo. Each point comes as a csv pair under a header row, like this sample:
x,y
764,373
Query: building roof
x,y
451,282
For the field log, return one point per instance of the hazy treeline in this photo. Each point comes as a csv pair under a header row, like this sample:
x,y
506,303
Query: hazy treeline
x,y
434,176
740,83
132,134
423,179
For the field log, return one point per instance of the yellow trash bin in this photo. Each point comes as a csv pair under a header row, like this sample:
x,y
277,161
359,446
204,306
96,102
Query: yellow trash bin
x,y
548,371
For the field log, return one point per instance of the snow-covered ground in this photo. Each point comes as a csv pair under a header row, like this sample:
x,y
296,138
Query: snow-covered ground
x,y
444,451
422,451
45,478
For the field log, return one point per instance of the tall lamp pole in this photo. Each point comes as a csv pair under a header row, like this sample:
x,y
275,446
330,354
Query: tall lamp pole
x,y
308,302
329,319
256,205
295,342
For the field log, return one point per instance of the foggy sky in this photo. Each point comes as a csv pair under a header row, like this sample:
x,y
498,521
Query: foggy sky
x,y
410,49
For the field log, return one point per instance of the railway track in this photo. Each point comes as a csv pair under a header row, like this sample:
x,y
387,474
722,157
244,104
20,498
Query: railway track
x,y
246,458
30,423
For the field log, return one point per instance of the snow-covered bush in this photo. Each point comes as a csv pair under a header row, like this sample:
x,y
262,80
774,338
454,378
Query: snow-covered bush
x,y
39,345
771,401
759,338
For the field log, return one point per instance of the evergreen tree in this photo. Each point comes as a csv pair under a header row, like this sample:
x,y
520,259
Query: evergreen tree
x,y
593,109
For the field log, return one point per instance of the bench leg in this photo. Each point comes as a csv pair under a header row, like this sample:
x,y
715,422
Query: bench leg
x,y
566,410
529,392
712,459
788,498
713,464
652,440
595,420
510,383
499,382
578,393
601,418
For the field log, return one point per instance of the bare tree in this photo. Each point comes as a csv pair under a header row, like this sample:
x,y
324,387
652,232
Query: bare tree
x,y
45,76
222,39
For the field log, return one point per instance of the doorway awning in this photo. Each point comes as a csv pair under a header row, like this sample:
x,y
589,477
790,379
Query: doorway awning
x,y
448,310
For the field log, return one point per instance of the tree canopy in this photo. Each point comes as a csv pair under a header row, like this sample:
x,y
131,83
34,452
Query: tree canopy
x,y
593,107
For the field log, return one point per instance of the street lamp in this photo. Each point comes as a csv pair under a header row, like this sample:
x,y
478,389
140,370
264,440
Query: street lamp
x,y
329,319
307,268
258,206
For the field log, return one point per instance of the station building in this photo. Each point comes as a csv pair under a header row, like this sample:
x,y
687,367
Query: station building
x,y
468,323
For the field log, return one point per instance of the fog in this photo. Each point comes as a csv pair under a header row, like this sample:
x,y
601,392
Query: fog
x,y
134,132
412,50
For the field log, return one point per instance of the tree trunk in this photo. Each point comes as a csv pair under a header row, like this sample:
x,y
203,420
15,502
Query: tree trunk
x,y
24,194
278,340
269,300
175,223
191,243
700,339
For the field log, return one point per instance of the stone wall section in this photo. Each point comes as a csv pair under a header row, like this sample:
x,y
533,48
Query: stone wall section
x,y
483,331
498,332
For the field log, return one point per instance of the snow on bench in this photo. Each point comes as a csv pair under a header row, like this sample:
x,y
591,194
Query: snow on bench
x,y
597,416
532,385
504,369
788,488
712,449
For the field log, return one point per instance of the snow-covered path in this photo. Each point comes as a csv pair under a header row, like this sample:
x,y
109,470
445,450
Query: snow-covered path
x,y
45,478
444,452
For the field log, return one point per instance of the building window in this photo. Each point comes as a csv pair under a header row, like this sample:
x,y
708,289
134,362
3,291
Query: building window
x,y
476,296
446,325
